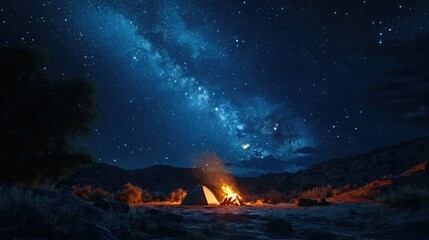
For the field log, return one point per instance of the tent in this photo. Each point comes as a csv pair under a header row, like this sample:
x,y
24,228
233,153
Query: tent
x,y
200,195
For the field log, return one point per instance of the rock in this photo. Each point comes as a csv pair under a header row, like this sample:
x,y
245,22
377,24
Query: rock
x,y
81,229
175,230
305,202
111,205
279,226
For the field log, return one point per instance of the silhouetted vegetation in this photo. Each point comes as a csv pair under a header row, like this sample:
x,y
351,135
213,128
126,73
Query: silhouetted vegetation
x,y
405,197
158,196
41,116
89,193
275,197
317,192
20,206
133,194
177,195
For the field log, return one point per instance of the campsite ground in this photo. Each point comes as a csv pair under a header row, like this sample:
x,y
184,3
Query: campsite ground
x,y
44,214
337,221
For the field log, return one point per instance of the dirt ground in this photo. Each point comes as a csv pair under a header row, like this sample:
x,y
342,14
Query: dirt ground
x,y
337,221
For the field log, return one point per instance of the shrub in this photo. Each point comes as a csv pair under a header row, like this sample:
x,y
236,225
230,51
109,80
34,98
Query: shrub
x,y
336,192
405,197
349,187
177,195
293,195
158,196
98,193
146,196
130,194
81,192
317,192
88,193
274,197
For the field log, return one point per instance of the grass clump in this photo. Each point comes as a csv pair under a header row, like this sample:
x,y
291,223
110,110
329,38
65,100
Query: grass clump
x,y
405,197
87,192
317,192
20,207
177,195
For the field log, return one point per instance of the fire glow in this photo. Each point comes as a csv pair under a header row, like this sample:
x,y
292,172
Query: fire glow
x,y
230,197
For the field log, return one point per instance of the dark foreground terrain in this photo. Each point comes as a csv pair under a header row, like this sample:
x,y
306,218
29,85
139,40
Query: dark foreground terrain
x,y
42,214
383,194
338,221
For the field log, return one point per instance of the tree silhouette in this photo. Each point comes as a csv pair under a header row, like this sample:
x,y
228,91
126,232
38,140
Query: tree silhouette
x,y
40,118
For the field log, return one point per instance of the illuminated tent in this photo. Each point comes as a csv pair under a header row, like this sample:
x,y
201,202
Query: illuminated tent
x,y
200,195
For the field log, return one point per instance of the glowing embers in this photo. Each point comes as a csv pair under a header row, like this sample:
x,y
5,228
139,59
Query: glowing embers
x,y
230,197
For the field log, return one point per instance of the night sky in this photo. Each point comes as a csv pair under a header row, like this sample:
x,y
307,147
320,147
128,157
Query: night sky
x,y
241,79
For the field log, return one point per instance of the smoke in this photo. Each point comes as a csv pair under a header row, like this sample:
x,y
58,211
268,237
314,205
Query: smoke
x,y
211,171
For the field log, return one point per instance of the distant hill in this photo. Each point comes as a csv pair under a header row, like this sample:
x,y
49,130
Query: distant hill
x,y
156,178
416,177
359,170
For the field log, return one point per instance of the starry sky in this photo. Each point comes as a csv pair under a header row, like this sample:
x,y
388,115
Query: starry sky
x,y
297,80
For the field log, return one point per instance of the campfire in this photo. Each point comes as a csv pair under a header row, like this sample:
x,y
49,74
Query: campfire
x,y
230,197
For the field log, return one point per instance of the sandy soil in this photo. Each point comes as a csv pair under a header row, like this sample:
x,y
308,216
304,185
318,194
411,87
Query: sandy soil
x,y
337,221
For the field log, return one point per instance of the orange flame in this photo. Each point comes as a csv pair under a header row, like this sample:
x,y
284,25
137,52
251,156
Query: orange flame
x,y
230,197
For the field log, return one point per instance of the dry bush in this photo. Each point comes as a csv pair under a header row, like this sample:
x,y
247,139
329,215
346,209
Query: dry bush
x,y
317,192
88,193
405,197
274,197
158,196
348,187
293,195
177,195
146,196
81,192
130,194
336,192
98,193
